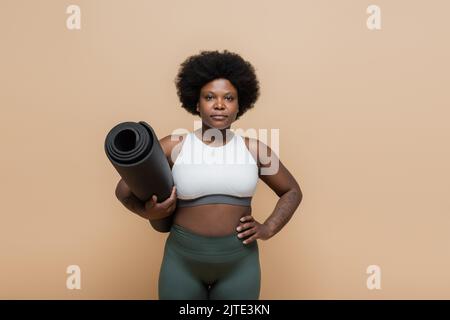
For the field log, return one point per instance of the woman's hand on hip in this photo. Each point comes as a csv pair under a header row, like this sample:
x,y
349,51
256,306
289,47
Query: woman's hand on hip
x,y
251,229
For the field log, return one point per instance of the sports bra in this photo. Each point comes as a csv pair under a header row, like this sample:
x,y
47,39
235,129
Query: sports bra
x,y
204,175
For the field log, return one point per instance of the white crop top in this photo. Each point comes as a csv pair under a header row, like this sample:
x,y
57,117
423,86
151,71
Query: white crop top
x,y
203,174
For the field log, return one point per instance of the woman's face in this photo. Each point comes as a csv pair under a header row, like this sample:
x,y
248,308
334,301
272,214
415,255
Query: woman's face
x,y
218,104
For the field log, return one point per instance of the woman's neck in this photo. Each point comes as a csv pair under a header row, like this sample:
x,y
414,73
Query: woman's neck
x,y
208,139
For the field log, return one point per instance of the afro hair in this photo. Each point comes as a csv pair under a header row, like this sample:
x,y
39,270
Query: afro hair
x,y
198,70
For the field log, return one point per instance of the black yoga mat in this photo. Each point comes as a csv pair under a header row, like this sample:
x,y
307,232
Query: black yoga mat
x,y
135,152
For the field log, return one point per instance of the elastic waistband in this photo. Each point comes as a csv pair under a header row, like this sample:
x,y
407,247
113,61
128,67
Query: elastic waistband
x,y
215,198
184,240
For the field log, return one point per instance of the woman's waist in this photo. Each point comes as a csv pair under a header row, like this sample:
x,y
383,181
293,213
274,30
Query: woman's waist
x,y
193,245
211,219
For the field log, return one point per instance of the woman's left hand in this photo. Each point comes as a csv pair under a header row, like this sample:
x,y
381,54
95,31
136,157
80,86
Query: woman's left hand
x,y
249,227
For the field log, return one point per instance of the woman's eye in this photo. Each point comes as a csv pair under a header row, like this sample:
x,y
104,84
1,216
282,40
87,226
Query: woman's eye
x,y
229,98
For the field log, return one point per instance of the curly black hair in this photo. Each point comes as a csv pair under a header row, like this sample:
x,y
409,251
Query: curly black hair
x,y
198,70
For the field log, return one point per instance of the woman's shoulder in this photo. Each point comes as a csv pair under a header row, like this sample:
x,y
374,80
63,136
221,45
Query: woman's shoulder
x,y
259,150
169,142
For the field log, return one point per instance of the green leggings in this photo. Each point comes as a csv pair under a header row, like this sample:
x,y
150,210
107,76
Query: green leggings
x,y
197,267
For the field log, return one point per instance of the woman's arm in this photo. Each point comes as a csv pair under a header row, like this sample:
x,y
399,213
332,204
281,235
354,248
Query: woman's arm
x,y
160,215
128,199
287,188
161,218
280,180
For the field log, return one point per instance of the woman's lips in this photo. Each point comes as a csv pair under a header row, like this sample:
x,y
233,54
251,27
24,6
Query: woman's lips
x,y
219,118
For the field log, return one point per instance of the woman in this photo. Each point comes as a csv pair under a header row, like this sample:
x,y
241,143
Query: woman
x,y
212,250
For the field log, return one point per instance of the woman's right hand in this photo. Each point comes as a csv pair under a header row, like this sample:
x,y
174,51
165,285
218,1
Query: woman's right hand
x,y
154,210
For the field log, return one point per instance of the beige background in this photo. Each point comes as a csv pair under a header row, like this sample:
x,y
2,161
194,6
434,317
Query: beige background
x,y
363,118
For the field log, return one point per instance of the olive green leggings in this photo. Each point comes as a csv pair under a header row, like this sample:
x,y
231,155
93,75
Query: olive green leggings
x,y
197,267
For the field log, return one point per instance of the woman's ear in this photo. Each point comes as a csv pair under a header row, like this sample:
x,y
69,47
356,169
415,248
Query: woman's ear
x,y
197,108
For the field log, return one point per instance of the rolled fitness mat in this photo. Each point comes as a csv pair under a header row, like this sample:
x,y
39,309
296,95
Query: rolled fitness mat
x,y
135,152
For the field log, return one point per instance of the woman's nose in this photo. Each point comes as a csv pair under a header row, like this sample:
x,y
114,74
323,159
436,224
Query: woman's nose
x,y
220,104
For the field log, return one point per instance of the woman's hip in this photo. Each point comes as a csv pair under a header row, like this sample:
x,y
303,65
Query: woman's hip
x,y
211,249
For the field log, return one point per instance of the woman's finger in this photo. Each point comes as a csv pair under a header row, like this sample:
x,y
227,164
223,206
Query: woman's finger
x,y
151,203
246,226
246,218
251,239
173,196
169,201
247,232
172,207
